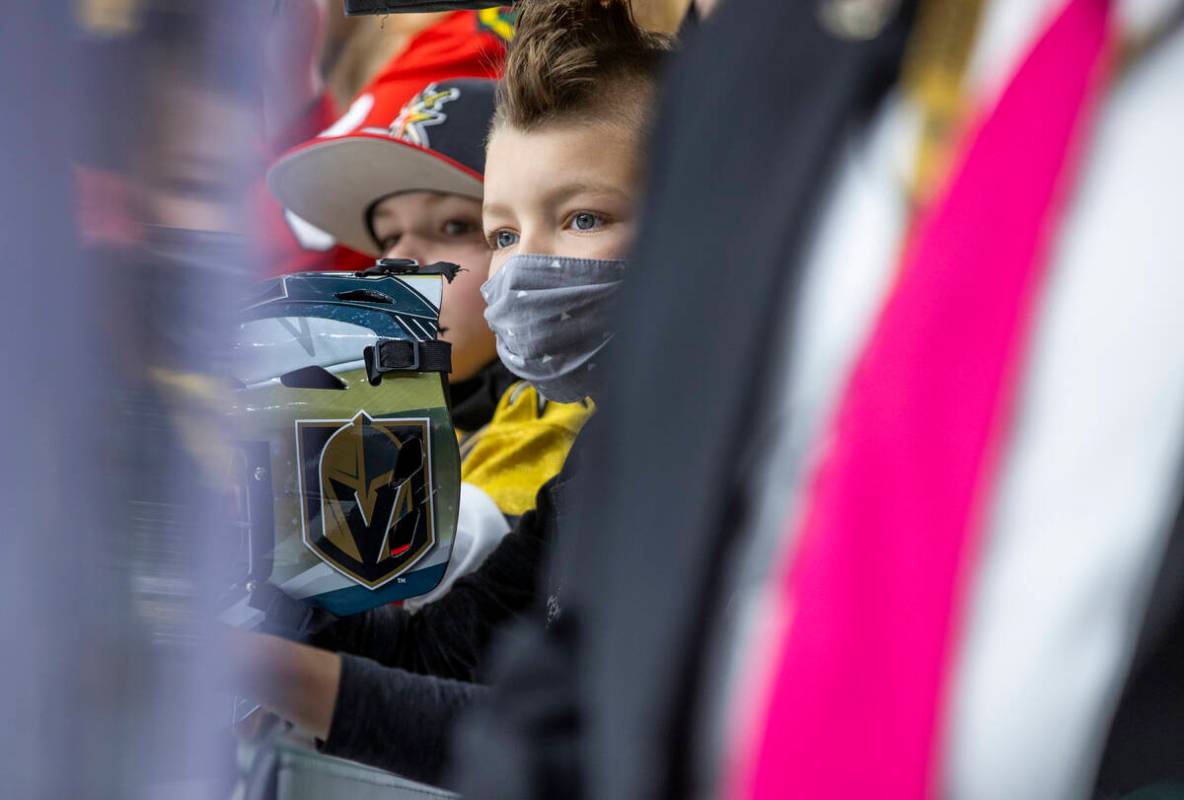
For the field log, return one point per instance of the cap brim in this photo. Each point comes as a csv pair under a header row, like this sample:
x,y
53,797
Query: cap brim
x,y
332,182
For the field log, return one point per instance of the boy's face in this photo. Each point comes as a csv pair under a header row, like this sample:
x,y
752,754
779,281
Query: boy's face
x,y
429,227
565,189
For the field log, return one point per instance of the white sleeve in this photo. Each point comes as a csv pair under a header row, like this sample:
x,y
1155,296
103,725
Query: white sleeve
x,y
480,527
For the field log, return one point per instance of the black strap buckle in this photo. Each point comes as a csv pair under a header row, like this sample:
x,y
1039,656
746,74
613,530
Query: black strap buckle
x,y
402,355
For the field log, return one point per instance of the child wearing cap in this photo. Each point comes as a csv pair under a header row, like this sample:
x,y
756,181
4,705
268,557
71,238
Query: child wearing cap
x,y
563,177
306,38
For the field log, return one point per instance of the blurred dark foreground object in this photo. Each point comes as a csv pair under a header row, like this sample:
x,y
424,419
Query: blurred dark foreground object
x,y
602,703
359,7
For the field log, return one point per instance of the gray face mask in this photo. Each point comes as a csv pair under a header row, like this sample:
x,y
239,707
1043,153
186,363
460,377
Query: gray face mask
x,y
550,316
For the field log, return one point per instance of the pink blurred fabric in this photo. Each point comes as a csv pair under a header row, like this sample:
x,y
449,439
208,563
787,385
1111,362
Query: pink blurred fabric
x,y
850,702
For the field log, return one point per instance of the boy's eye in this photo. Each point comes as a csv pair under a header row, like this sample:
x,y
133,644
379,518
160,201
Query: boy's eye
x,y
503,238
586,221
388,243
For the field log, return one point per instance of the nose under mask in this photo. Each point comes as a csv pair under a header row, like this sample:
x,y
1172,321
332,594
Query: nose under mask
x,y
550,316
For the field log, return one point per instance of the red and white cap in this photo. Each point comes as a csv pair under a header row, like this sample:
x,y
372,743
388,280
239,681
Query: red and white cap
x,y
435,142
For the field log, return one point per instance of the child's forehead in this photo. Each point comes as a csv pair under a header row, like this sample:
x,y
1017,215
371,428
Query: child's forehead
x,y
597,156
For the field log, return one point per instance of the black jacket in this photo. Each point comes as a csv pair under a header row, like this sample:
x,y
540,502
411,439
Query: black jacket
x,y
601,704
472,402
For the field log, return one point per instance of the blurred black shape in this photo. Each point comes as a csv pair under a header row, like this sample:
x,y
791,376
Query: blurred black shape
x,y
359,7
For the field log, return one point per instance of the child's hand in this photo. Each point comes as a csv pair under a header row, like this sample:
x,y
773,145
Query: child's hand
x,y
294,681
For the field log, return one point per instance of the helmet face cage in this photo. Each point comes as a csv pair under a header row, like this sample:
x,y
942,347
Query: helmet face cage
x,y
348,481
252,537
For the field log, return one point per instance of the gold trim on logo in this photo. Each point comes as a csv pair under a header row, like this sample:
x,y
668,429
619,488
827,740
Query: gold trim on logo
x,y
342,462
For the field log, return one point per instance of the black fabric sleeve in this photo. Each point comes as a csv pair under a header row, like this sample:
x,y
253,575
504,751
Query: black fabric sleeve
x,y
450,637
522,738
396,720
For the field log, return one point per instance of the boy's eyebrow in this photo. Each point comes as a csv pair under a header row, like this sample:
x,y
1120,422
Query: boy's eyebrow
x,y
561,193
568,190
495,208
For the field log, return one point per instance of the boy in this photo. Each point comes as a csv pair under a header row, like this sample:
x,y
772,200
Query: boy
x,y
563,176
406,182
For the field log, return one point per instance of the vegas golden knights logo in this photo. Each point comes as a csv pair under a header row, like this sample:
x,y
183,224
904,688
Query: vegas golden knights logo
x,y
365,493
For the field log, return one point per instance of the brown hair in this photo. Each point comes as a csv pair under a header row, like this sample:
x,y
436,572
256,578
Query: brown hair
x,y
569,58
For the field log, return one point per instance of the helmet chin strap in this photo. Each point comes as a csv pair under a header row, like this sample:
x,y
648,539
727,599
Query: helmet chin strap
x,y
400,355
